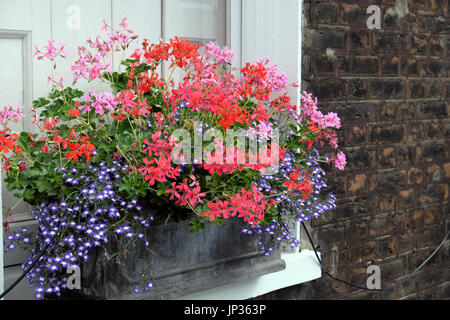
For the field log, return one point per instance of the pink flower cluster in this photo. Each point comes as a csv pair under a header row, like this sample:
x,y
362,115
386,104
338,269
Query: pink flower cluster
x,y
51,51
98,101
278,80
262,130
309,109
11,112
311,113
218,54
90,65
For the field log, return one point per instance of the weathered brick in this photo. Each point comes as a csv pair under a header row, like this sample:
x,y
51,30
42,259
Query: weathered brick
x,y
323,39
434,174
353,14
356,135
415,132
388,112
446,167
432,109
406,199
390,66
365,112
432,194
436,46
326,13
386,133
357,184
390,181
386,158
419,4
432,216
430,68
328,89
432,23
324,65
389,42
358,89
434,89
365,65
407,111
387,89
430,152
387,202
391,89
433,129
363,252
386,247
415,176
415,218
419,45
361,159
359,41
417,89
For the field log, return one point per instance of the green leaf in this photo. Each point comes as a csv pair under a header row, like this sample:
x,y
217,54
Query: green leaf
x,y
195,225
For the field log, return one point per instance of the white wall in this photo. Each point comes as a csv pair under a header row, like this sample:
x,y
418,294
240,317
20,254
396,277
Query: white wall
x,y
273,29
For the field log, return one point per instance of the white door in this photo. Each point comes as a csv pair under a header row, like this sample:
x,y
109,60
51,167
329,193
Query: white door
x,y
26,23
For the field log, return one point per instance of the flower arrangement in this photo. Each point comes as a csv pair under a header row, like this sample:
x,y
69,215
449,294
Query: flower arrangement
x,y
98,158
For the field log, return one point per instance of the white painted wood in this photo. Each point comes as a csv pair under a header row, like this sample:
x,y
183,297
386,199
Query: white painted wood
x,y
200,20
21,17
300,267
273,29
234,30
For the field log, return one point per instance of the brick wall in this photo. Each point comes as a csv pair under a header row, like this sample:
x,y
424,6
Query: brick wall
x,y
392,89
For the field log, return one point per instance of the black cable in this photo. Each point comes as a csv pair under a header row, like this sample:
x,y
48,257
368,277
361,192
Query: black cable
x,y
365,288
25,272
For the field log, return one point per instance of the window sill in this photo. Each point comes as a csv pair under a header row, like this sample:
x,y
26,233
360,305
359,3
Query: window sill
x,y
300,267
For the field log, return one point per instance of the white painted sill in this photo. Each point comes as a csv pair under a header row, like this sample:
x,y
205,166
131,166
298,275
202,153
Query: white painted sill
x,y
300,267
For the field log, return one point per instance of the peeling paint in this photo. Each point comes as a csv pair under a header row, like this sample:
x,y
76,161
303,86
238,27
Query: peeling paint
x,y
331,54
400,10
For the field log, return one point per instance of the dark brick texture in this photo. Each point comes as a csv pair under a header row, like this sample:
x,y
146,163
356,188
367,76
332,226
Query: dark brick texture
x,y
391,87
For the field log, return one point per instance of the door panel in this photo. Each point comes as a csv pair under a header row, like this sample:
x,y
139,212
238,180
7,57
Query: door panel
x,y
197,20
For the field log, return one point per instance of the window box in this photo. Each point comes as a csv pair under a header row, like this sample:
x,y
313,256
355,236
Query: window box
x,y
183,263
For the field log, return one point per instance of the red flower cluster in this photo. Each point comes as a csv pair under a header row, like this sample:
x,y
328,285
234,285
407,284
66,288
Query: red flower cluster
x,y
299,182
187,193
248,204
158,166
80,149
